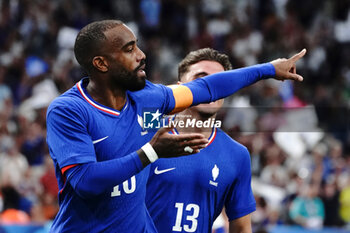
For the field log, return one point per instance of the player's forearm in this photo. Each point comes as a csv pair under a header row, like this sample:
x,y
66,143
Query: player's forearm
x,y
143,158
241,225
223,84
93,179
236,230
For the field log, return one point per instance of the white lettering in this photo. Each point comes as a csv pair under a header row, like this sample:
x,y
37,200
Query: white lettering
x,y
128,190
190,122
199,124
206,124
217,124
213,183
192,213
181,124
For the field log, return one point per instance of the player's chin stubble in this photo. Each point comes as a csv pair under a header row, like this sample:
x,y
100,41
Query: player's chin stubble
x,y
129,80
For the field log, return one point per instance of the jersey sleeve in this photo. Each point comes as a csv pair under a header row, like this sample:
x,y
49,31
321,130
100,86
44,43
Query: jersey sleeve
x,y
155,96
175,98
218,85
93,179
240,200
72,148
67,137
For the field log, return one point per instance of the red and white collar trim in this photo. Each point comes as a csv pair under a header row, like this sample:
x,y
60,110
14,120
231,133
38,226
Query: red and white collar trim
x,y
97,105
210,139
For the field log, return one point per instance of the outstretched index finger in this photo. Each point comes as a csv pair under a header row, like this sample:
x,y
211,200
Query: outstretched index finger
x,y
297,56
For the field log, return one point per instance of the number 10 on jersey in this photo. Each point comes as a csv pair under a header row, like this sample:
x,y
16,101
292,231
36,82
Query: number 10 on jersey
x,y
116,191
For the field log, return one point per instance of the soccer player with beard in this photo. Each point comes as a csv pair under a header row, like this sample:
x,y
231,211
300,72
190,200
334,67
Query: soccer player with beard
x,y
96,137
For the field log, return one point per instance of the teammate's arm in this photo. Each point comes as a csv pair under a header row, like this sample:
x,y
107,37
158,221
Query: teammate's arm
x,y
223,84
240,202
241,225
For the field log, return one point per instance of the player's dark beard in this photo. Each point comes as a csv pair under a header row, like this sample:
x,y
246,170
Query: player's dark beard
x,y
129,80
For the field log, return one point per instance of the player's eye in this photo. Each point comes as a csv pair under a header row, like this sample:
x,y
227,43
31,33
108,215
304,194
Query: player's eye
x,y
129,49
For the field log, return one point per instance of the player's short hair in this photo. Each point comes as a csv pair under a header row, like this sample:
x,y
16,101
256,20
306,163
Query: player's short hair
x,y
90,40
206,54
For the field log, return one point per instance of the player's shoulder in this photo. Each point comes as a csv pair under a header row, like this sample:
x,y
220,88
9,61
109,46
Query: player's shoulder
x,y
150,88
69,100
152,96
230,144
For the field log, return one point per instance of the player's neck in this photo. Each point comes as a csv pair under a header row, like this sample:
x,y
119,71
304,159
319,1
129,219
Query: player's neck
x,y
106,95
192,114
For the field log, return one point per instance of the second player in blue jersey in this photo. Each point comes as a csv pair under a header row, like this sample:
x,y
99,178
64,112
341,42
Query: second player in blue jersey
x,y
187,194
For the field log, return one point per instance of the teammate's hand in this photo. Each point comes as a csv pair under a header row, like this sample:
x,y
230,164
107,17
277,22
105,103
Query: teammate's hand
x,y
286,68
169,145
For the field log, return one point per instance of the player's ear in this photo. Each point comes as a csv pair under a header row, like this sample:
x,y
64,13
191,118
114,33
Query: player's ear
x,y
100,63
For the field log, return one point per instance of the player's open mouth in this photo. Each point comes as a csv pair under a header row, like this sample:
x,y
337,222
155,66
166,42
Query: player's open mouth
x,y
141,70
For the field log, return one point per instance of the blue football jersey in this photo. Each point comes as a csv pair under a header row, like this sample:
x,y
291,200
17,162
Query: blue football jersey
x,y
80,130
187,194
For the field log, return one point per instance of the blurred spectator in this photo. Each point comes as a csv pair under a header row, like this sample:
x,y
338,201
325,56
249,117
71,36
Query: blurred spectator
x,y
260,215
307,208
219,27
273,217
13,165
344,199
50,190
150,21
48,179
312,165
330,199
248,46
11,213
274,173
5,92
30,187
34,144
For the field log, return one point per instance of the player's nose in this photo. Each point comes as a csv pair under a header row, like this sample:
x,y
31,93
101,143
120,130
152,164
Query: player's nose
x,y
140,55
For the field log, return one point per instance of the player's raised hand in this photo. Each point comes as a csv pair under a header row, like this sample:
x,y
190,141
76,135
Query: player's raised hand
x,y
169,145
286,68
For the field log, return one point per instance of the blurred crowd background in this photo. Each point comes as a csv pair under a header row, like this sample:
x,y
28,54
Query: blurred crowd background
x,y
297,133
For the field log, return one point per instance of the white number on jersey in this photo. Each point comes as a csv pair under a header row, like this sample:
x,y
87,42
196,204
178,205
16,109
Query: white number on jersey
x,y
190,217
116,192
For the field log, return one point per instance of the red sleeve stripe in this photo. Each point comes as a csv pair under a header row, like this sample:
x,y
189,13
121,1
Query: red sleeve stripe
x,y
63,170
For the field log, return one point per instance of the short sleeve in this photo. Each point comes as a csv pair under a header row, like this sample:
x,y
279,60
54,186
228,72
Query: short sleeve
x,y
67,137
240,200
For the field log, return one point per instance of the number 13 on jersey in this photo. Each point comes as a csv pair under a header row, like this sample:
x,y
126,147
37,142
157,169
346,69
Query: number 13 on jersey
x,y
191,212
